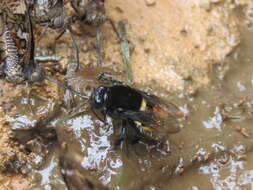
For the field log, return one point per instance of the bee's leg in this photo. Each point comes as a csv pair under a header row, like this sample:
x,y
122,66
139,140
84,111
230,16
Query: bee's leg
x,y
122,136
98,116
69,99
138,135
98,45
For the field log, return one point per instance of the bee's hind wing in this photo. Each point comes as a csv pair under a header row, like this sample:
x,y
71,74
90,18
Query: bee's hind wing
x,y
152,121
144,117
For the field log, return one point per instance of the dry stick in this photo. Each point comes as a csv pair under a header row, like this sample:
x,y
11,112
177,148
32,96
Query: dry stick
x,y
52,58
75,47
121,32
42,34
98,45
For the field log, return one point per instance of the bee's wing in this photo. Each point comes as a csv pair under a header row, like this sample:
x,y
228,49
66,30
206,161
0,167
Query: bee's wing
x,y
156,101
162,118
165,113
152,99
153,121
144,117
166,121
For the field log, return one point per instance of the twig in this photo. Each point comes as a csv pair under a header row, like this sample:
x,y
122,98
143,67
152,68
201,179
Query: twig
x,y
120,29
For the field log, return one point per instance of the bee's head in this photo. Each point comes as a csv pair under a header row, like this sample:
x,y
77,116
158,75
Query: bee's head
x,y
99,96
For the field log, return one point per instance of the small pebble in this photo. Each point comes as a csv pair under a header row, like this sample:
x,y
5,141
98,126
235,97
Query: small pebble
x,y
150,2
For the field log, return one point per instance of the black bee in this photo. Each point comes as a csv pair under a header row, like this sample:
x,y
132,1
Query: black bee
x,y
135,108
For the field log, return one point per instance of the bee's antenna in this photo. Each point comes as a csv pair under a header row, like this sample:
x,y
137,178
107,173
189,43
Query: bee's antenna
x,y
66,87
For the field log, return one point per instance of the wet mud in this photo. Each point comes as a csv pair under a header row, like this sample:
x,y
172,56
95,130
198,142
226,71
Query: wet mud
x,y
199,56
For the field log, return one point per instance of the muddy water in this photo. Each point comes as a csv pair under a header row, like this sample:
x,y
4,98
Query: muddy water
x,y
236,173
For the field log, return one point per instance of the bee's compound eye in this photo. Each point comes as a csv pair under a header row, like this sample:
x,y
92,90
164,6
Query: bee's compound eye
x,y
99,95
98,99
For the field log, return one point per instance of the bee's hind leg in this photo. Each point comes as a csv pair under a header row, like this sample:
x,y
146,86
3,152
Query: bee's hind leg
x,y
122,136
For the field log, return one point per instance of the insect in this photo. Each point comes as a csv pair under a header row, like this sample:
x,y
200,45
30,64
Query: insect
x,y
146,114
135,108
92,12
17,48
50,13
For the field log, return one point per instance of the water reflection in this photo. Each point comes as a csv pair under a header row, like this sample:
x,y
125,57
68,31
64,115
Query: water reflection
x,y
94,138
216,171
215,121
246,178
48,176
47,173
